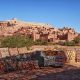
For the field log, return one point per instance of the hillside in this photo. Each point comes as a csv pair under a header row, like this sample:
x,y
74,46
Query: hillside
x,y
37,31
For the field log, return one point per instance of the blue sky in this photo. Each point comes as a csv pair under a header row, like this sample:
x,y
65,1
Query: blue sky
x,y
58,13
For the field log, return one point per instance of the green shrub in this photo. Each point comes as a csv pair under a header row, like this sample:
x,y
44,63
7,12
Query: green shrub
x,y
61,43
76,40
69,43
40,42
16,41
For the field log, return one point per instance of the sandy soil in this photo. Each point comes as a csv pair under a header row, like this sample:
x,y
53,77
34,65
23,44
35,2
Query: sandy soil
x,y
48,73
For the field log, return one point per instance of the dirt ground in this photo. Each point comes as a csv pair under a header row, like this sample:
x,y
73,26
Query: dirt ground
x,y
48,73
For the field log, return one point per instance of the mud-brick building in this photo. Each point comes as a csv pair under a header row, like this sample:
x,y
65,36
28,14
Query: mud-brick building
x,y
8,23
3,23
44,36
52,37
67,34
36,31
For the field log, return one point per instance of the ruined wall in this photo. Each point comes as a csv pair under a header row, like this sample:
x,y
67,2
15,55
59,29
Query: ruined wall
x,y
22,50
72,53
13,51
71,56
4,52
78,54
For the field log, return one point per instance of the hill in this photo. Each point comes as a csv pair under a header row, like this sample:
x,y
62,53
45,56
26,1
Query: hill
x,y
36,31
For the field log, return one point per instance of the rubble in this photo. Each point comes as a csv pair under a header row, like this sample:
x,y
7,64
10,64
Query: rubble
x,y
14,63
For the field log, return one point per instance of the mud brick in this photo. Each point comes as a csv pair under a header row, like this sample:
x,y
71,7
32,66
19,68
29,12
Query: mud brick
x,y
4,52
1,68
13,51
22,50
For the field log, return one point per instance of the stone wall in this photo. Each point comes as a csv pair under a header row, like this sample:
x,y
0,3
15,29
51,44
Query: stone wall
x,y
72,53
